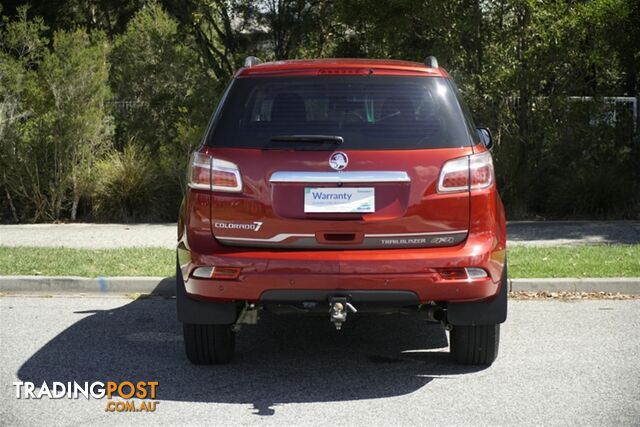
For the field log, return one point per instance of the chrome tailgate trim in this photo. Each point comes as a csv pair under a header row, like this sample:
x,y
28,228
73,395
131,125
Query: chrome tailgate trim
x,y
339,177
371,241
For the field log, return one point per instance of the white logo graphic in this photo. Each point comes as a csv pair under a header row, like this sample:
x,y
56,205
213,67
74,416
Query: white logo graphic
x,y
338,160
441,240
255,225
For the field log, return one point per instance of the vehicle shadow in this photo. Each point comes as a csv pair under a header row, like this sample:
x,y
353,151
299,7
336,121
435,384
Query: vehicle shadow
x,y
282,359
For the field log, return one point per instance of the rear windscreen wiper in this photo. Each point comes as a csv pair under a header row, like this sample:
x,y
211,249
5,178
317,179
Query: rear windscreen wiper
x,y
308,138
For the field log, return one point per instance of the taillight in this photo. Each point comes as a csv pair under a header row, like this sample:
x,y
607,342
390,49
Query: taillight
x,y
454,175
481,170
209,173
473,172
199,175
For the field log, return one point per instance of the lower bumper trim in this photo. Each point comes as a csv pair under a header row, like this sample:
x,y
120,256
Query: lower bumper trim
x,y
388,298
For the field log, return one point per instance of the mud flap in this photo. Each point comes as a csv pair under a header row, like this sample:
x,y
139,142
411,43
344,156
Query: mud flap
x,y
489,312
201,312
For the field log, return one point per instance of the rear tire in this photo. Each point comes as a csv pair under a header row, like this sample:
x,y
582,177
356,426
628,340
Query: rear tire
x,y
209,344
475,345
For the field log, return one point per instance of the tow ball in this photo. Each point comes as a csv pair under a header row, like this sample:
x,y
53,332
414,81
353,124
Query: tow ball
x,y
338,311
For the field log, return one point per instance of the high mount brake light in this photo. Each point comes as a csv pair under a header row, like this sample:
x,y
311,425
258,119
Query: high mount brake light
x,y
474,172
344,71
209,173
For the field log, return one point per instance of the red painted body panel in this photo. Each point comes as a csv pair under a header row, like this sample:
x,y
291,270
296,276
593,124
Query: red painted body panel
x,y
387,269
411,269
400,208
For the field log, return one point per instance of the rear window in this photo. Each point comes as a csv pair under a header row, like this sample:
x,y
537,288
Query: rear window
x,y
367,112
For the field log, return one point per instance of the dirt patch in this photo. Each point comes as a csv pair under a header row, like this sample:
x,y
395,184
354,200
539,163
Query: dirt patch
x,y
571,296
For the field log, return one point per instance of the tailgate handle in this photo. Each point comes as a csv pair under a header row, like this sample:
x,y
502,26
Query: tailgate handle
x,y
346,237
340,237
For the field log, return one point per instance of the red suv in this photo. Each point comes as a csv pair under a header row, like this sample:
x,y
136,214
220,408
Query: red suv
x,y
342,187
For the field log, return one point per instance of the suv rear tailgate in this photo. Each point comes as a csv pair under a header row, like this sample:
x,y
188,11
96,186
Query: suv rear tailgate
x,y
270,210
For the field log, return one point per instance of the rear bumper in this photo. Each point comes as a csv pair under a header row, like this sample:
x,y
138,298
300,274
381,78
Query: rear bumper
x,y
412,272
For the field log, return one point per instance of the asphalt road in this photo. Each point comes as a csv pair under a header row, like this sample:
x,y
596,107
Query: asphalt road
x,y
560,363
107,236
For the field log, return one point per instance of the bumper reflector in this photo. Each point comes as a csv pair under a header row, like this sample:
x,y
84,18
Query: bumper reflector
x,y
453,273
468,273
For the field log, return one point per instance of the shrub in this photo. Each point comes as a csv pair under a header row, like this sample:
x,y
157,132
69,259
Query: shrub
x,y
129,187
573,160
53,124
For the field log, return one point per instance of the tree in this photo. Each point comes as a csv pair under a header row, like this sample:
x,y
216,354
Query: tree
x,y
22,46
290,28
159,82
164,95
109,16
54,123
216,27
76,126
517,62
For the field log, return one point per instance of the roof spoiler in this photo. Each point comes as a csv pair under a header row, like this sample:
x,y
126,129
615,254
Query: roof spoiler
x,y
250,61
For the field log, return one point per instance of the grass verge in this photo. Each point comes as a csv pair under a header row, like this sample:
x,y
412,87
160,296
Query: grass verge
x,y
87,262
574,261
524,262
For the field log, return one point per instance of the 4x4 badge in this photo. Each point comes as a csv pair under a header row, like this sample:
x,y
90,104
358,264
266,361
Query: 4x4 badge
x,y
338,160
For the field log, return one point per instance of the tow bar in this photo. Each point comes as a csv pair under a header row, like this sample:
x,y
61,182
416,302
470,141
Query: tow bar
x,y
338,311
